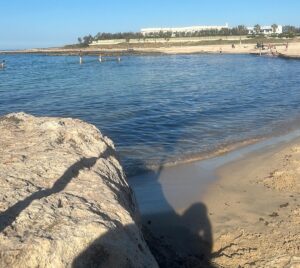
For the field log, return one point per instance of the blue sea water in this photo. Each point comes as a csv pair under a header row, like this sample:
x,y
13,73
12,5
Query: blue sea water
x,y
159,109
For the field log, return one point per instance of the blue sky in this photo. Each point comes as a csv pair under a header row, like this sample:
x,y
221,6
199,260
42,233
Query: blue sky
x,y
44,23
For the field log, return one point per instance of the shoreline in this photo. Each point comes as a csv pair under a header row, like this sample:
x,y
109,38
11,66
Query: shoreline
x,y
293,51
227,201
202,172
253,203
219,150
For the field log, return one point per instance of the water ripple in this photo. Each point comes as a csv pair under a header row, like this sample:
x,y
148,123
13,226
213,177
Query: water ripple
x,y
159,109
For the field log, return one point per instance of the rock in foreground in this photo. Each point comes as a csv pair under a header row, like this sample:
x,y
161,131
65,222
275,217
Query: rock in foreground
x,y
64,198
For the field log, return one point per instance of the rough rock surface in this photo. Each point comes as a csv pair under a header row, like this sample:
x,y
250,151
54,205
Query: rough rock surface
x,y
64,199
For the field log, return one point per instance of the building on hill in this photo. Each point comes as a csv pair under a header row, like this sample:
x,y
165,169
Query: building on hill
x,y
190,29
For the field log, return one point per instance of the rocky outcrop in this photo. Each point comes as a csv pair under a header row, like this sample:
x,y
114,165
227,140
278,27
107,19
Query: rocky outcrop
x,y
64,198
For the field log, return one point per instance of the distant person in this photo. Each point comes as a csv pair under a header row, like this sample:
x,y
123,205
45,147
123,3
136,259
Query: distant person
x,y
287,46
220,50
80,57
233,46
2,65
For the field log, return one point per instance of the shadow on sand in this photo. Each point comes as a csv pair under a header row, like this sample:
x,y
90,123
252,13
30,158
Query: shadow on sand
x,y
174,240
178,240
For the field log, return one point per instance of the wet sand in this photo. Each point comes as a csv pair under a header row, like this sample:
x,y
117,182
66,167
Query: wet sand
x,y
229,210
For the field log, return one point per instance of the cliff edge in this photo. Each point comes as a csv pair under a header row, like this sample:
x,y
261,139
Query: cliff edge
x,y
64,198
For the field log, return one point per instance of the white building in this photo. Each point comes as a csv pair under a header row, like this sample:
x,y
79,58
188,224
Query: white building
x,y
191,29
266,30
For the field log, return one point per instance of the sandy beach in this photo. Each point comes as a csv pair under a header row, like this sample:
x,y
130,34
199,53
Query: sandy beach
x,y
293,50
248,215
254,209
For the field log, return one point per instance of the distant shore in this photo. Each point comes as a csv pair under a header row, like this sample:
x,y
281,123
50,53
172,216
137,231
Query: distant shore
x,y
293,50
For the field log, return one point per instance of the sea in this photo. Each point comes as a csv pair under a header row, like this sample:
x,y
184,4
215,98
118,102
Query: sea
x,y
160,110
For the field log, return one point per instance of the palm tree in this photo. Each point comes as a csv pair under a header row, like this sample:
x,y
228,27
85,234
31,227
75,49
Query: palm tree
x,y
257,28
274,27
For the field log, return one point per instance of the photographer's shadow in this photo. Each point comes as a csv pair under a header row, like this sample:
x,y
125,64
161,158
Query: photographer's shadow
x,y
177,239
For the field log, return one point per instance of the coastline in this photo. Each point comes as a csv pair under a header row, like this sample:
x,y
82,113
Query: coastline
x,y
221,150
243,208
254,203
292,52
240,203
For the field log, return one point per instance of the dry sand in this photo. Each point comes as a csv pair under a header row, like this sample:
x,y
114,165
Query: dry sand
x,y
239,49
292,51
254,210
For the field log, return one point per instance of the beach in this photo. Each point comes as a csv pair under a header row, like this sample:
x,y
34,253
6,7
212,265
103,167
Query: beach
x,y
254,209
228,208
293,50
150,134
240,209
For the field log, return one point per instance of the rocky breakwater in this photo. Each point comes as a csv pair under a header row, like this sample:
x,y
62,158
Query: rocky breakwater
x,y
64,198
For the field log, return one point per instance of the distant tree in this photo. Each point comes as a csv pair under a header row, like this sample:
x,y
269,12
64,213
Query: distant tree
x,y
87,39
257,28
168,35
97,36
161,34
242,30
224,31
79,40
274,27
290,29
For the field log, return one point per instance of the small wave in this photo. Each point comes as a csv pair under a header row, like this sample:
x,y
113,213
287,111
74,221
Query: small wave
x,y
145,167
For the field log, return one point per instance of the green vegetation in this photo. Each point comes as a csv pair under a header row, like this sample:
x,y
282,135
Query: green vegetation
x,y
257,29
274,27
288,32
239,30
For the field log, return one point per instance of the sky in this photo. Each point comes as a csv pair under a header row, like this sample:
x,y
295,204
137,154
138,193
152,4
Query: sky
x,y
48,23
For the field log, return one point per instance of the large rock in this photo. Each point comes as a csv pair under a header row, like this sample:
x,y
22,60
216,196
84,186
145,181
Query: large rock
x,y
64,198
